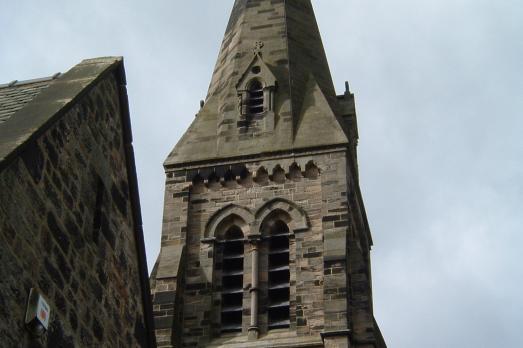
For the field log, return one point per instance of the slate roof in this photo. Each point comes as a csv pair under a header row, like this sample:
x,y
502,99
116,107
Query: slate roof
x,y
307,111
28,107
15,95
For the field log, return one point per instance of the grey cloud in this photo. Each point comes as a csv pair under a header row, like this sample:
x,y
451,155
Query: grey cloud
x,y
438,88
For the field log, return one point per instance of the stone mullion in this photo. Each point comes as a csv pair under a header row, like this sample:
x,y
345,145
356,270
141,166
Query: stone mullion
x,y
263,294
254,329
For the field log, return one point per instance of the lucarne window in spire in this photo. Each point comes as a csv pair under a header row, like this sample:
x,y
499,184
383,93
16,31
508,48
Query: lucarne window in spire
x,y
256,100
256,94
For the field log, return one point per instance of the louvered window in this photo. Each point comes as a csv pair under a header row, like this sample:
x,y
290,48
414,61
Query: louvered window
x,y
232,281
279,276
255,101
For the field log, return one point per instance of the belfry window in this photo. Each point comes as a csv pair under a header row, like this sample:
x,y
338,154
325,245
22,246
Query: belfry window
x,y
232,281
279,276
255,101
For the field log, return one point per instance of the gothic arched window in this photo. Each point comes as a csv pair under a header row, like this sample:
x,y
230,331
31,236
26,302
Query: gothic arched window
x,y
255,100
232,281
279,276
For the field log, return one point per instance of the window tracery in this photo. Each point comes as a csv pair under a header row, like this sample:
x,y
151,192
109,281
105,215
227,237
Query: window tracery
x,y
256,248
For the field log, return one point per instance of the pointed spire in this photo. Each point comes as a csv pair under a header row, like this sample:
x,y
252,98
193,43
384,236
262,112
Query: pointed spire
x,y
265,40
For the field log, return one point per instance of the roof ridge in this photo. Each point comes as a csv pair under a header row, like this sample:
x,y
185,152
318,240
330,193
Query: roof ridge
x,y
17,83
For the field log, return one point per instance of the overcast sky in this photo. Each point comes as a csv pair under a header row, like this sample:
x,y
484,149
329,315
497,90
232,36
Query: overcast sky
x,y
439,95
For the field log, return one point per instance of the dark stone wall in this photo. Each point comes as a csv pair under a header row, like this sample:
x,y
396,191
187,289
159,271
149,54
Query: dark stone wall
x,y
66,228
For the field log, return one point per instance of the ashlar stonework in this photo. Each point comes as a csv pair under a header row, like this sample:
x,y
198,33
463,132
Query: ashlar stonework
x,y
265,239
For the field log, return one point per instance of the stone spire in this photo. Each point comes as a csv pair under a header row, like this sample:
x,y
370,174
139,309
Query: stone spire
x,y
278,43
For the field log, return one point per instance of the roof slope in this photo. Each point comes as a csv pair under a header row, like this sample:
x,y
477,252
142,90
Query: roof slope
x,y
293,51
30,107
38,104
14,96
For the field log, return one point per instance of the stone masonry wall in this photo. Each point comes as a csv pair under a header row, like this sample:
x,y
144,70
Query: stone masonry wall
x,y
66,228
365,331
318,254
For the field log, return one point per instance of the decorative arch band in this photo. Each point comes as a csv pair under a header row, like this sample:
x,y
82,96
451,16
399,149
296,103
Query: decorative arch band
x,y
251,224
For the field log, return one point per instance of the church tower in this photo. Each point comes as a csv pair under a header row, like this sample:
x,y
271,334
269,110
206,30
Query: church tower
x,y
265,240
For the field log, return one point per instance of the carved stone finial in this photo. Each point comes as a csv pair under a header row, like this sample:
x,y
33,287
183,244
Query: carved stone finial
x,y
258,47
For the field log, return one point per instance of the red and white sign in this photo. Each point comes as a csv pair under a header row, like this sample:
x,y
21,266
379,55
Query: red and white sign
x,y
43,312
